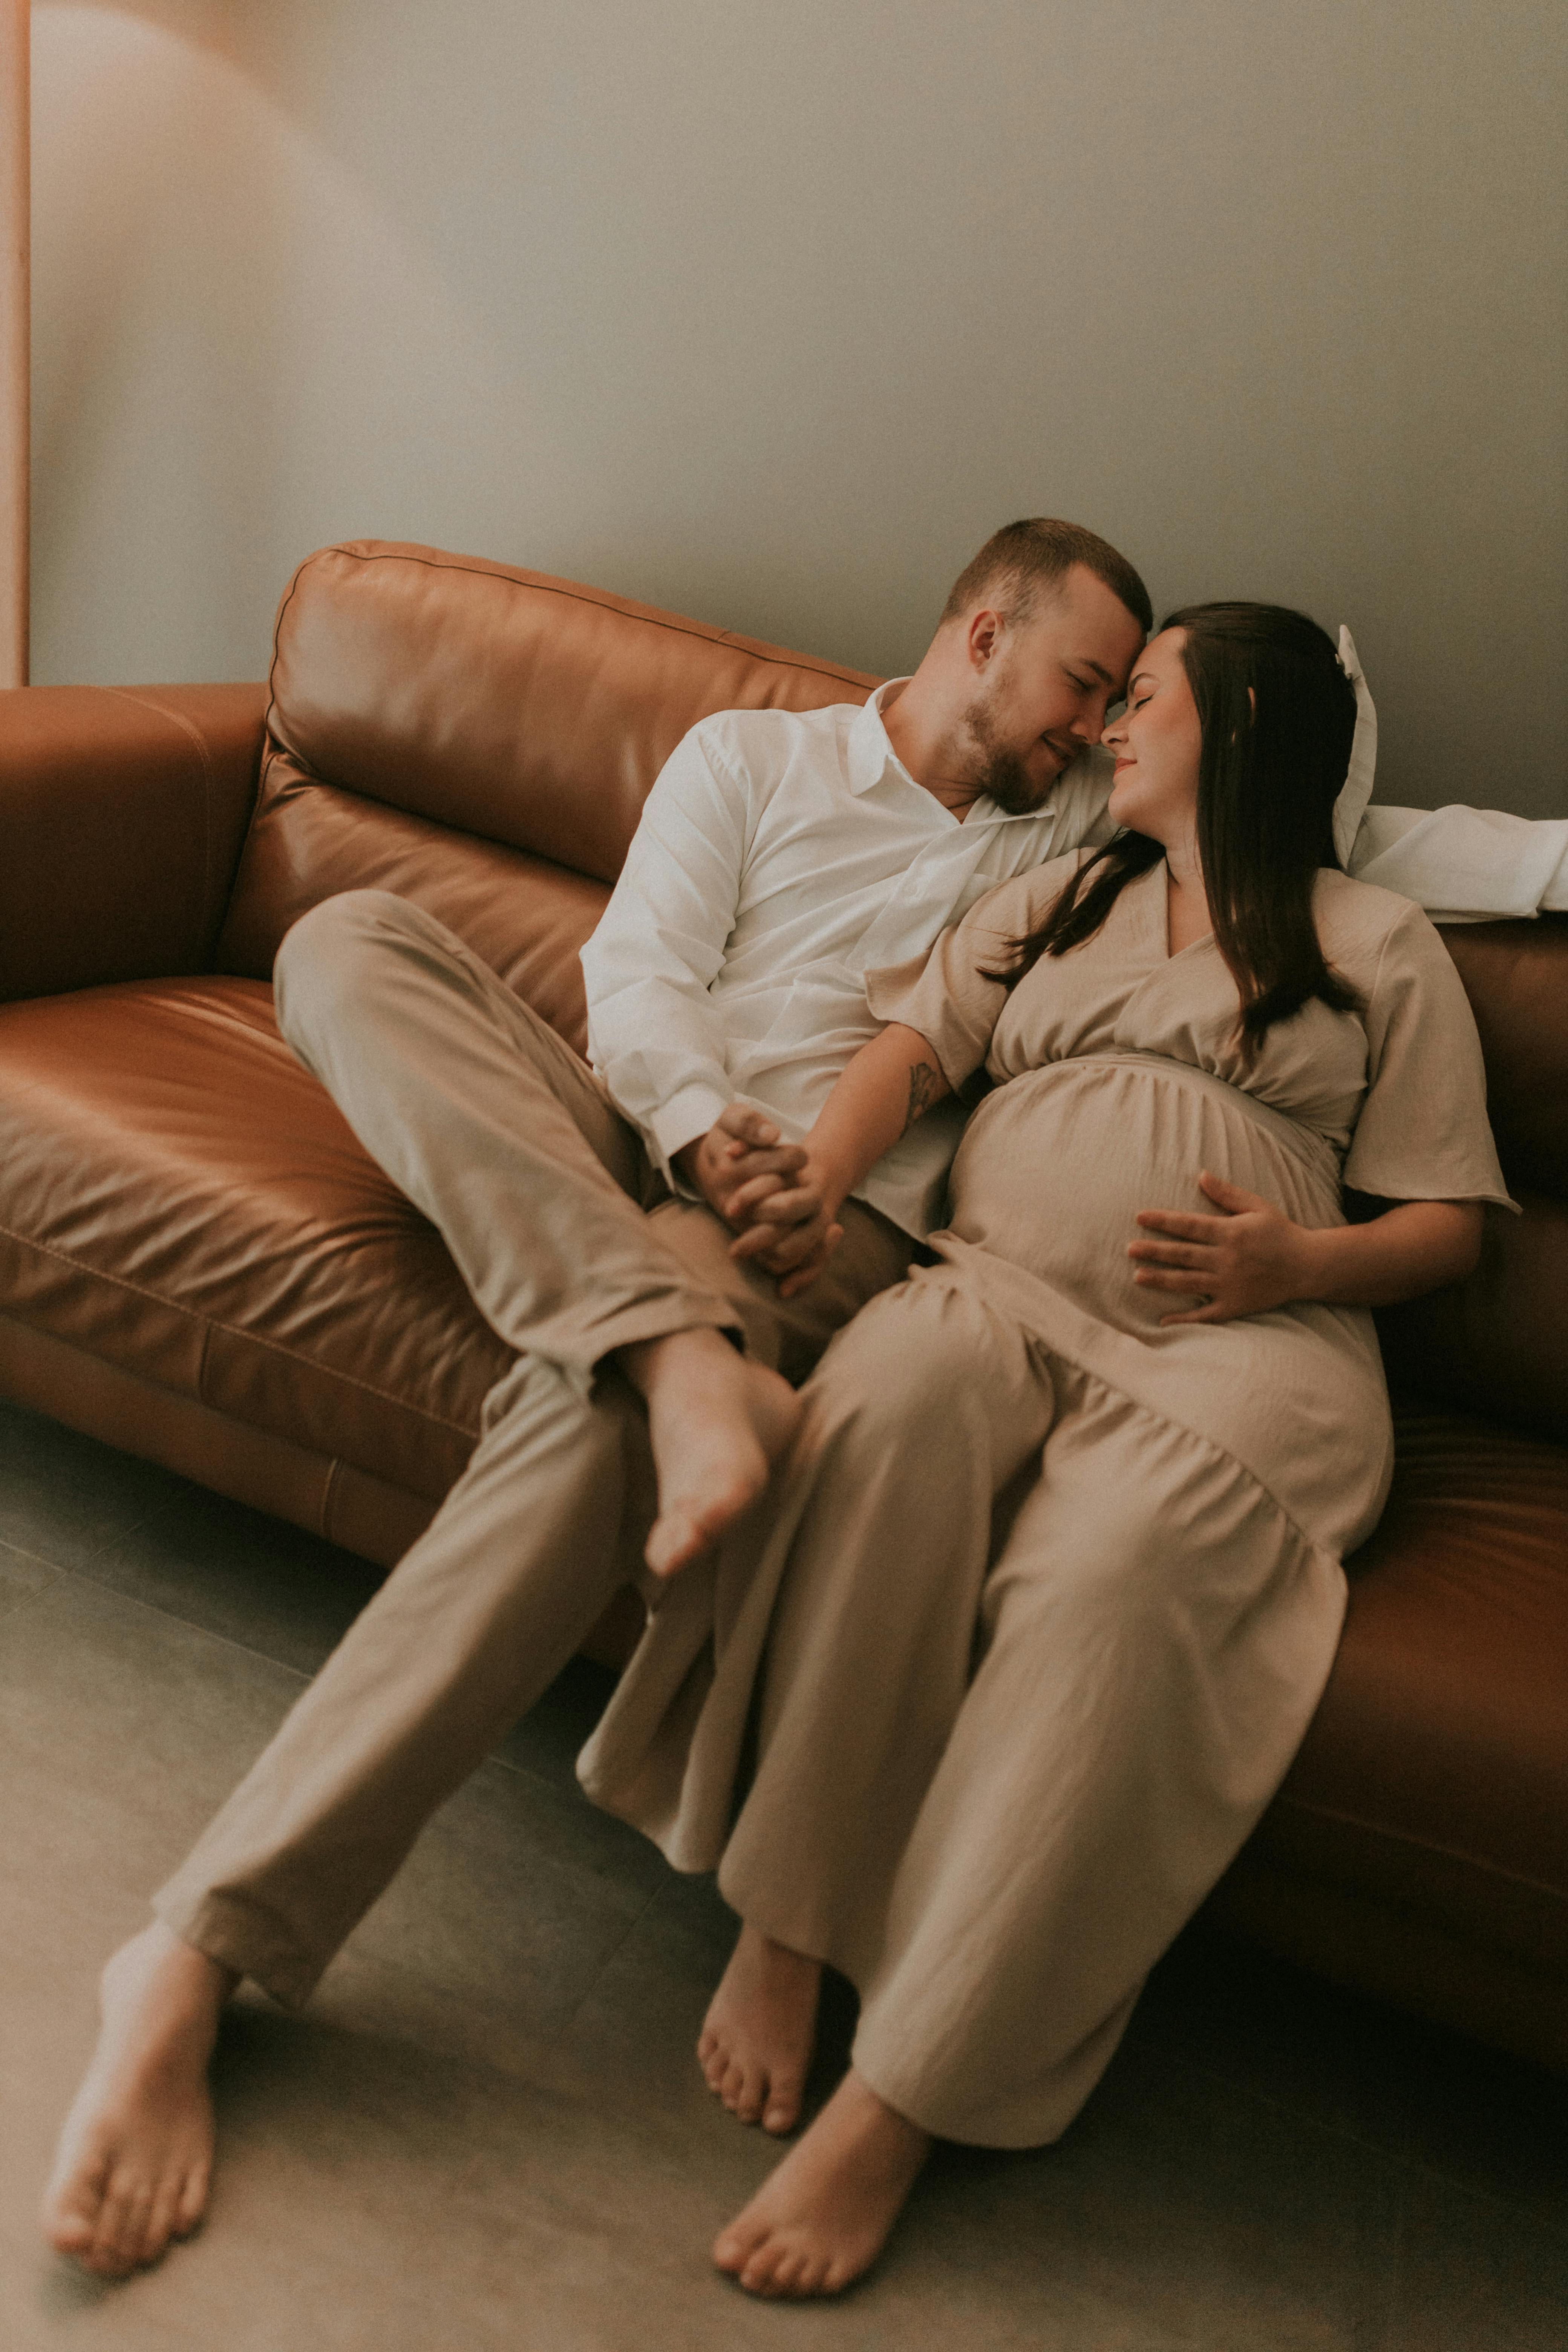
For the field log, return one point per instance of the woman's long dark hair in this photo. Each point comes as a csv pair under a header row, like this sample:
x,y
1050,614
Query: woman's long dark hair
x,y
1277,714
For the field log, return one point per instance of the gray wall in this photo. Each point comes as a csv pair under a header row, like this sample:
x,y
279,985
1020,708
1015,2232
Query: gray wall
x,y
769,313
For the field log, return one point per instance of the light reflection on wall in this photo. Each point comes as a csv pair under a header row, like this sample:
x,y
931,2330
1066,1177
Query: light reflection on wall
x,y
228,335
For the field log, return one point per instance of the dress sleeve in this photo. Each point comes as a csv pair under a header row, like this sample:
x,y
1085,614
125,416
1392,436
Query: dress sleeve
x,y
1423,1133
948,994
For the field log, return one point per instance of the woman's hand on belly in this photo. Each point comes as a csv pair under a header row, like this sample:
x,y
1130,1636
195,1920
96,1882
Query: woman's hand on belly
x,y
1244,1260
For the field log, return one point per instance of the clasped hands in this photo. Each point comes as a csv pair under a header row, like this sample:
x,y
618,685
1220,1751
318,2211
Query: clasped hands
x,y
780,1197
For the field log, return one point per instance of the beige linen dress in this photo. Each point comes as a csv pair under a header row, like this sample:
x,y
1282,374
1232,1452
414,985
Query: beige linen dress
x,y
1002,1753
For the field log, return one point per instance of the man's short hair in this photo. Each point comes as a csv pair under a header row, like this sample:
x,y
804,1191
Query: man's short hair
x,y
1022,563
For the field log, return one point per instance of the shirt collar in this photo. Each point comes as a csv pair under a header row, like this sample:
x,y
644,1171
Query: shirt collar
x,y
872,756
871,753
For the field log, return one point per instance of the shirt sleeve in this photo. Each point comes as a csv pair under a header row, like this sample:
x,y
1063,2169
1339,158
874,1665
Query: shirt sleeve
x,y
1466,864
1423,1133
654,1033
949,996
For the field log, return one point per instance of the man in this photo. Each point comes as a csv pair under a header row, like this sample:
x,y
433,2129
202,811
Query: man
x,y
781,855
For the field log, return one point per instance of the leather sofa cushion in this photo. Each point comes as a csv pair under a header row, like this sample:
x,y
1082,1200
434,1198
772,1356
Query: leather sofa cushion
x,y
1435,1774
526,917
178,1197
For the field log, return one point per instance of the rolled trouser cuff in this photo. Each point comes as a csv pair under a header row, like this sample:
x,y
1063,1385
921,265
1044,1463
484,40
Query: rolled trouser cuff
x,y
243,1936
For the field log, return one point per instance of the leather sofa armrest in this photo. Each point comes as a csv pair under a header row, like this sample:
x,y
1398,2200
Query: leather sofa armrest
x,y
122,810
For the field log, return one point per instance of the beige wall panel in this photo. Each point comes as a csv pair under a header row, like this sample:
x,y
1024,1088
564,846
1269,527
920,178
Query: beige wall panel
x,y
771,311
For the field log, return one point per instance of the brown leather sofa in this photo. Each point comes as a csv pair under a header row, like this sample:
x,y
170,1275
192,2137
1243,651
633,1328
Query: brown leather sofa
x,y
200,1264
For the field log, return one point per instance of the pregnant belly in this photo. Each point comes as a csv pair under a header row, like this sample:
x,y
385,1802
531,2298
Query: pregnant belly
x,y
1054,1166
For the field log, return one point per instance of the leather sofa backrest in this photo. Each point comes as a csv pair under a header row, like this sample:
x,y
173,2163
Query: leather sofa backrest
x,y
453,729
1516,976
481,739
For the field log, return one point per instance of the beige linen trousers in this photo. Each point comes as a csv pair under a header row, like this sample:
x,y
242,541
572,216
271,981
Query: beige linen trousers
x,y
572,1246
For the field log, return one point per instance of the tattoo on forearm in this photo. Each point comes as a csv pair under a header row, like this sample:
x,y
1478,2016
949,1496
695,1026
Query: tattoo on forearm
x,y
923,1092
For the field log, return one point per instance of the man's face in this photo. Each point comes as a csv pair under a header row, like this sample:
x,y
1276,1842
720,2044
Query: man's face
x,y
1044,687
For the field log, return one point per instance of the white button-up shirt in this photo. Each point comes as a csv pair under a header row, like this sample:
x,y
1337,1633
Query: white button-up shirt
x,y
781,856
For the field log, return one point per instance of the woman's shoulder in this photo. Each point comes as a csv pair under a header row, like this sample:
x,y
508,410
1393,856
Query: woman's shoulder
x,y
1359,924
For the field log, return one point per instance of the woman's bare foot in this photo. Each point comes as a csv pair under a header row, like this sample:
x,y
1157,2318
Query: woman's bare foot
x,y
717,1424
756,2038
135,2155
824,2216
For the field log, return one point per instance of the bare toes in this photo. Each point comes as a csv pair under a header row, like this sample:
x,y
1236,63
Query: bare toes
x,y
760,2275
733,2086
733,2247
162,2220
792,2274
193,2201
71,2234
782,2111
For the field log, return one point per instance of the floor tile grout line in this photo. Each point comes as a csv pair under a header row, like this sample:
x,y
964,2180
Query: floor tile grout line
x,y
177,1617
84,1576
1402,2158
38,1559
608,1962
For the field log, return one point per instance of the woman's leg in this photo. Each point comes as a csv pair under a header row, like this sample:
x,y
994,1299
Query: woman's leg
x,y
1155,1637
869,1579
918,1416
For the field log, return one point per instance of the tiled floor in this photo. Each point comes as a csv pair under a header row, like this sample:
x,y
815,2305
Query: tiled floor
x,y
487,2130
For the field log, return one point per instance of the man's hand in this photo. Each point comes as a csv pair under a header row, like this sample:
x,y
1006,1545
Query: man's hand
x,y
795,1230
1243,1262
739,1163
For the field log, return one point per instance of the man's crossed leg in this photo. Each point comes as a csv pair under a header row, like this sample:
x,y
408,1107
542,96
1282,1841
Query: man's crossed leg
x,y
576,1253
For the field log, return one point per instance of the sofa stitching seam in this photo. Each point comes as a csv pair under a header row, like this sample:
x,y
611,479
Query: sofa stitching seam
x,y
582,595
210,1323
1422,1845
325,1521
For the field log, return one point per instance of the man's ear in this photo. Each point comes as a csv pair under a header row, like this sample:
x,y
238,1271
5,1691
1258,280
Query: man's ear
x,y
983,637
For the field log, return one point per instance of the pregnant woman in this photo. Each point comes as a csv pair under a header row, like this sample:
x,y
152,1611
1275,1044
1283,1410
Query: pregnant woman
x,y
1048,1587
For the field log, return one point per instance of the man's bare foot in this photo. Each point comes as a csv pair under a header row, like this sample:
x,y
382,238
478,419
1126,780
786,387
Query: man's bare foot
x,y
135,2155
716,1422
756,2038
824,2216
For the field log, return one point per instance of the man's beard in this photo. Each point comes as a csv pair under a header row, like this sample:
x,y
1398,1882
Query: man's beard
x,y
1000,769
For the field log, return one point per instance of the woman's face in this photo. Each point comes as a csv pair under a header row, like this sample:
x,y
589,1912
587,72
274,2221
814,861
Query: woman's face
x,y
1157,742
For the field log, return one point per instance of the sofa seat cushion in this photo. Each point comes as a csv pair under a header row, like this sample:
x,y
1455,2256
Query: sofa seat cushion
x,y
178,1197
1435,1774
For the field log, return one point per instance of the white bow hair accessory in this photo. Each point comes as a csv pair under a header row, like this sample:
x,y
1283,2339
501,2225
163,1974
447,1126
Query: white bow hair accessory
x,y
1356,791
